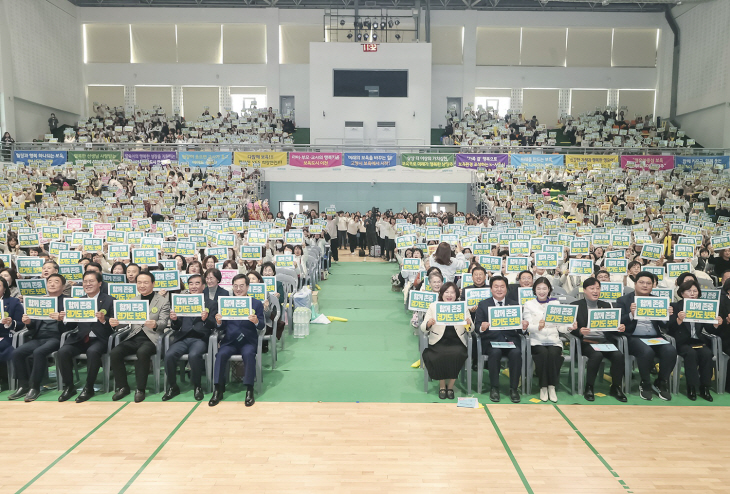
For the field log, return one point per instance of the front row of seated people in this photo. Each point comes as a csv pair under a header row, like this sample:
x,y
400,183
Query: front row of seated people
x,y
446,353
191,337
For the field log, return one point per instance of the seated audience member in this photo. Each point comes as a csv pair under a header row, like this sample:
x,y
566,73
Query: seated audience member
x,y
447,345
448,265
212,290
592,292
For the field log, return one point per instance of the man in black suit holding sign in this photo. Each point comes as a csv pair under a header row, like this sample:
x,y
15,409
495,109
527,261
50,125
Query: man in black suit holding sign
x,y
636,331
90,338
499,285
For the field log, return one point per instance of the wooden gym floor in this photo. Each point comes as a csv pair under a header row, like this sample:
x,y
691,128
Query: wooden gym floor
x,y
104,447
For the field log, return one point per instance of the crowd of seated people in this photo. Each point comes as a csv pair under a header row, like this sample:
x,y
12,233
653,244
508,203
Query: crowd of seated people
x,y
115,125
482,127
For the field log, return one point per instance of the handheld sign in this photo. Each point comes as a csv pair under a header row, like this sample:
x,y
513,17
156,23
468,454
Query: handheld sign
x,y
168,264
519,248
72,273
657,270
234,308
270,282
26,240
664,292
78,291
546,260
145,256
579,247
185,249
702,311
166,280
188,305
114,278
93,244
681,251
40,308
652,308
405,242
580,267
675,269
284,260
517,264
710,294
122,291
476,295
55,247
118,251
132,311
68,257
29,266
257,238
411,264
720,242
610,292
257,291
80,309
450,313
294,237
525,294
563,315
604,319
250,252
616,266
492,264
652,252
504,318
32,287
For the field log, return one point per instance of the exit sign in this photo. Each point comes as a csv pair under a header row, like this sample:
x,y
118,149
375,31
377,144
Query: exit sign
x,y
369,47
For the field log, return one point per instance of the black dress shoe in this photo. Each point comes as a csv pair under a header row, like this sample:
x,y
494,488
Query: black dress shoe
x,y
618,394
705,393
121,393
691,393
68,392
450,394
86,394
198,394
32,395
442,394
171,393
217,396
494,394
249,398
19,393
139,396
588,393
514,395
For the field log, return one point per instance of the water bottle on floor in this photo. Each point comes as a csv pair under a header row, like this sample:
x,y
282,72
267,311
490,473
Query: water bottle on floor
x,y
302,316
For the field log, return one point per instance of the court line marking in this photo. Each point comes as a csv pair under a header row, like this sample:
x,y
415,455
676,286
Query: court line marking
x,y
69,450
509,452
159,448
595,451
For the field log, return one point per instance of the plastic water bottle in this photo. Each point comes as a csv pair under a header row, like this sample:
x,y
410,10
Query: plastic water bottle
x,y
302,317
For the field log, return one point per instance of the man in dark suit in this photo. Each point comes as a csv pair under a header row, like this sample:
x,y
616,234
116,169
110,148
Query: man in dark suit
x,y
141,340
592,292
499,286
212,291
191,338
524,280
90,338
636,331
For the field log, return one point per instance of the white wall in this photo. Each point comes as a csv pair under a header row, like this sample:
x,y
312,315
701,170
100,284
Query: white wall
x,y
412,115
41,52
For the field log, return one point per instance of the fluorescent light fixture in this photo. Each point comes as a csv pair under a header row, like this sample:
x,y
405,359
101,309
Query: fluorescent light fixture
x,y
299,197
436,198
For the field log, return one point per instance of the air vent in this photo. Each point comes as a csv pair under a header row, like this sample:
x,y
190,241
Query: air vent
x,y
386,124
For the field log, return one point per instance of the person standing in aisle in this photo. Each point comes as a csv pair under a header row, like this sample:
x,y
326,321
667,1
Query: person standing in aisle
x,y
332,222
342,221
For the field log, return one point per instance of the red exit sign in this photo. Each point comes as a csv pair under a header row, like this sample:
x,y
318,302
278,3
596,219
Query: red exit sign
x,y
369,47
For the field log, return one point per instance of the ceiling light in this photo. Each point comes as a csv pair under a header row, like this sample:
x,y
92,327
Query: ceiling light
x,y
349,35
342,22
367,23
376,25
397,22
365,36
359,36
397,36
390,23
375,37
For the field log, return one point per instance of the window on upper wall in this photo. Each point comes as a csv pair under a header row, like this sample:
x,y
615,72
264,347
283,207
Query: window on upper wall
x,y
106,43
447,45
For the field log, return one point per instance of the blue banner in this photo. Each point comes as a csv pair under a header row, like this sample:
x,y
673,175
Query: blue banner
x,y
369,160
199,159
54,158
691,162
533,161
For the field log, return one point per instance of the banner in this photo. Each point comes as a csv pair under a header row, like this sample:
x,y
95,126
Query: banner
x,y
132,311
32,287
188,305
486,160
80,309
697,162
259,160
427,161
154,158
315,160
369,160
534,161
561,314
95,158
508,317
40,308
123,291
590,161
646,163
235,308
40,158
652,308
199,159
450,313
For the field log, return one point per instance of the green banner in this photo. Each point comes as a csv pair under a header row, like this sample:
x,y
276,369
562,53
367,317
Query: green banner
x,y
428,161
95,158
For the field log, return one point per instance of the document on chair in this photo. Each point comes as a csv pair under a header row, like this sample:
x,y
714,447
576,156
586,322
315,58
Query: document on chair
x,y
654,341
604,347
502,344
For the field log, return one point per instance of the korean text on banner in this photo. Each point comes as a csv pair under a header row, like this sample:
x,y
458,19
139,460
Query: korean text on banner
x,y
259,160
315,160
369,160
486,160
647,163
427,161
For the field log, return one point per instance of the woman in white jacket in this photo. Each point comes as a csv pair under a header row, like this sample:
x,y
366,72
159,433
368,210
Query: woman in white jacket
x,y
448,265
547,349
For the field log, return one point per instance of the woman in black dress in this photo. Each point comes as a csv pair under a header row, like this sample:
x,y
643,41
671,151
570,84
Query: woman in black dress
x,y
446,352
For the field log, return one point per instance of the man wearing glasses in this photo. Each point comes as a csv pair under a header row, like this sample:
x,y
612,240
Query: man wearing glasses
x,y
90,338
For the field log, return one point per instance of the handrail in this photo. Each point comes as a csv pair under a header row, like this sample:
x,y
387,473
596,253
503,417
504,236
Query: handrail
x,y
335,148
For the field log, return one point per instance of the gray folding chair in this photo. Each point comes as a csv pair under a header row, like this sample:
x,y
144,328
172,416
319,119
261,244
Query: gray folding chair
x,y
482,359
680,362
530,364
465,373
721,364
237,358
208,357
18,339
105,362
271,338
156,358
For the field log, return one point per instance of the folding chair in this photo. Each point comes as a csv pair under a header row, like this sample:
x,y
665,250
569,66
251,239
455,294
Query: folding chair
x,y
717,357
465,373
18,339
721,364
156,358
237,358
208,357
530,364
482,359
105,362
630,363
271,338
